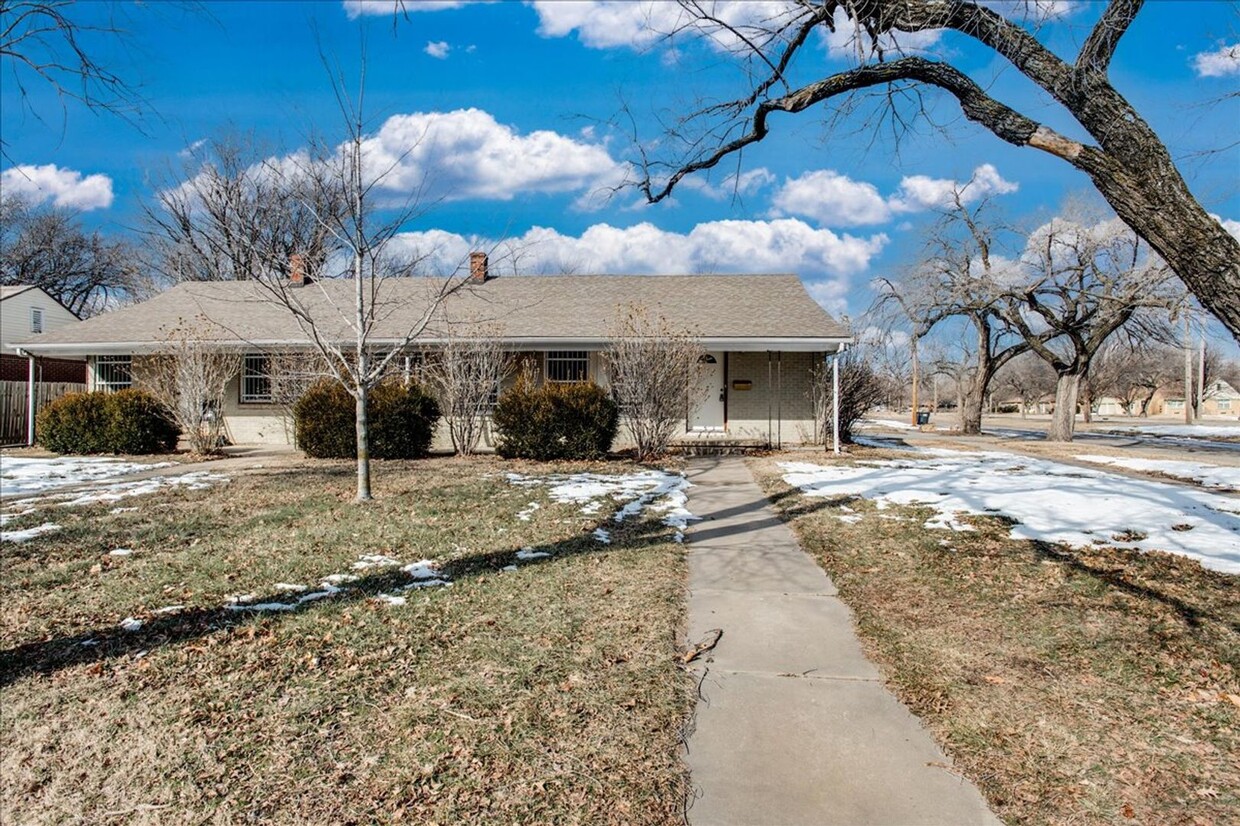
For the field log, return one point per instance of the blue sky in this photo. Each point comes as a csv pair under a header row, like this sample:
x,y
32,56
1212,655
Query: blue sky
x,y
514,108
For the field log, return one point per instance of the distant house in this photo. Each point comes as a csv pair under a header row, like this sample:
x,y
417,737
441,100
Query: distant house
x,y
26,310
1219,399
763,335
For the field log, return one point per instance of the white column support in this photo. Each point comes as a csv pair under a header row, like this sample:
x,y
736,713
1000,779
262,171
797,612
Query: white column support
x,y
30,397
835,401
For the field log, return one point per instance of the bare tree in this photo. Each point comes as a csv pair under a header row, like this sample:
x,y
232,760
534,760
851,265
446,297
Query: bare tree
x,y
962,277
655,372
1028,378
47,247
1085,282
465,376
189,378
231,210
1124,158
358,333
861,390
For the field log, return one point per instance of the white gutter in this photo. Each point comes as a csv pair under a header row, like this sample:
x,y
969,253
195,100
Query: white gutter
x,y
736,344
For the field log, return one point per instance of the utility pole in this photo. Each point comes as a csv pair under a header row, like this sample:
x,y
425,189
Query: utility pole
x,y
1201,376
916,376
1188,373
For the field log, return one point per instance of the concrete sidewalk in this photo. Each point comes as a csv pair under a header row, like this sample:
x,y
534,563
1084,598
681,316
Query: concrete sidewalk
x,y
794,725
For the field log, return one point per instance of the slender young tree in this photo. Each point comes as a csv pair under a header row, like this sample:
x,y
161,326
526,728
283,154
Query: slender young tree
x,y
465,375
190,378
1122,155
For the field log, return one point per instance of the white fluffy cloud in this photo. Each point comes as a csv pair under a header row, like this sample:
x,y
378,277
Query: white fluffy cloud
x,y
1232,227
466,153
636,24
357,8
438,49
785,245
744,183
63,187
833,199
1223,61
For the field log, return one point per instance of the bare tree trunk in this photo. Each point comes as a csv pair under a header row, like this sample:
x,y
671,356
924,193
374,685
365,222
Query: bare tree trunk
x,y
1063,422
971,403
1087,402
363,445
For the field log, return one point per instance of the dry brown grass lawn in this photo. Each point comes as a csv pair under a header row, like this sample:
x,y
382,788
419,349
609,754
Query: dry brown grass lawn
x,y
1072,686
548,694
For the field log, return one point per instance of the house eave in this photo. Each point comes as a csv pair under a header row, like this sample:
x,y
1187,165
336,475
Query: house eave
x,y
750,344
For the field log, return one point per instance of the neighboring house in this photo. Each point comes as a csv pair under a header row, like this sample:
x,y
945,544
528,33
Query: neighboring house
x,y
1220,399
762,334
26,310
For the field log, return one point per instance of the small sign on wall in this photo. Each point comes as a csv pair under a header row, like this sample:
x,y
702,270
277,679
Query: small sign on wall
x,y
742,384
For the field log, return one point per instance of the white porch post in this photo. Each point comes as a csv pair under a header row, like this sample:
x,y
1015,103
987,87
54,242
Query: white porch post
x,y
30,396
835,402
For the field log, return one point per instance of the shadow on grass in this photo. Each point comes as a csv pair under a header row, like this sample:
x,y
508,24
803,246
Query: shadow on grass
x,y
1193,616
111,642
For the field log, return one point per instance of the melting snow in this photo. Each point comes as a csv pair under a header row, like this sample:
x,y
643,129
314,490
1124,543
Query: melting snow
x,y
29,533
602,535
1212,476
131,624
21,475
375,561
660,491
526,554
525,515
1198,431
120,552
1050,501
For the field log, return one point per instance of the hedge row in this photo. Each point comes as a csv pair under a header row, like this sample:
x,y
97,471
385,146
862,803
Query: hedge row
x,y
128,421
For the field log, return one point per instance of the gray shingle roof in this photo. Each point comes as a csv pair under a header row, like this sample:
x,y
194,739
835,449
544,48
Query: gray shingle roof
x,y
577,309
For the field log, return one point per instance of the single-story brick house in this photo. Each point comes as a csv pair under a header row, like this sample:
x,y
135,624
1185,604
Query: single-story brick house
x,y
762,333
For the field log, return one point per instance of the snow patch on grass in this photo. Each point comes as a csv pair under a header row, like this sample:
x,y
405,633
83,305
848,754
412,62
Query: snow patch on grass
x,y
603,535
120,552
1050,501
1211,476
29,533
528,554
1195,431
131,624
661,492
22,475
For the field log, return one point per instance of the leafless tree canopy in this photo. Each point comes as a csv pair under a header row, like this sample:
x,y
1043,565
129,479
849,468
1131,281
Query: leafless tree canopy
x,y
961,277
1124,158
47,247
654,369
465,375
189,378
1084,281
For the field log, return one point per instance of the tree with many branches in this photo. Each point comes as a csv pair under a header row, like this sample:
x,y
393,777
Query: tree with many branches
x,y
1124,157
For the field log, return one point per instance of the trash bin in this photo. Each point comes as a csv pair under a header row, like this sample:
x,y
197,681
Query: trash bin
x,y
923,417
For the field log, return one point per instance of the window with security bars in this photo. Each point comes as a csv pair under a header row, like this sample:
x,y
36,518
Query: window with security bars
x,y
113,373
256,380
567,366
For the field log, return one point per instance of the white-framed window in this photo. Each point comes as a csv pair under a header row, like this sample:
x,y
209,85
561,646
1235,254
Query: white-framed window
x,y
36,319
1224,404
113,373
256,379
567,366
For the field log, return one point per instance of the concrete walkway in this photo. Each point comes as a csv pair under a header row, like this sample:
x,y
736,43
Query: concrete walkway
x,y
794,725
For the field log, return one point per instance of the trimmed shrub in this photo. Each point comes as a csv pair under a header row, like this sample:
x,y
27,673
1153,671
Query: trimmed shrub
x,y
138,423
402,421
555,421
128,421
75,423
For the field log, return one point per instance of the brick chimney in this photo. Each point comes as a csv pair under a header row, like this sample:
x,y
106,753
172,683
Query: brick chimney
x,y
478,267
297,270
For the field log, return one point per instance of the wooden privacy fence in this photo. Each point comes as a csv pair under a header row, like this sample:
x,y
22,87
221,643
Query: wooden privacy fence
x,y
13,406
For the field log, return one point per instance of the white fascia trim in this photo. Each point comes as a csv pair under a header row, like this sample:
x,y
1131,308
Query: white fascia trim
x,y
733,344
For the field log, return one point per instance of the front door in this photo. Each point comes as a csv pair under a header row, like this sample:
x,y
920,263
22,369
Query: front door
x,y
707,414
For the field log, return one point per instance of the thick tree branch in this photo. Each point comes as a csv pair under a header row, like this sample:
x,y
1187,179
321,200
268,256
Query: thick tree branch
x,y
1100,46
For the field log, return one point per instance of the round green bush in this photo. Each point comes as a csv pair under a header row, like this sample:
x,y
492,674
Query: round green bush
x,y
555,421
138,424
402,421
75,423
128,421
